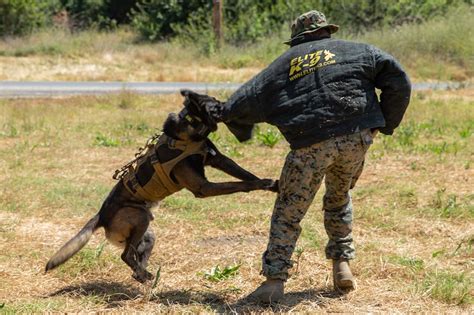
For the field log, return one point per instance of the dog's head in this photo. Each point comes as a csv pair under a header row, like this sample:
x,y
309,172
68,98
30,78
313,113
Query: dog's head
x,y
200,107
194,122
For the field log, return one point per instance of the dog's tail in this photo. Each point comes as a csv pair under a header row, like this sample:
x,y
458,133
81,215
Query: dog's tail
x,y
74,245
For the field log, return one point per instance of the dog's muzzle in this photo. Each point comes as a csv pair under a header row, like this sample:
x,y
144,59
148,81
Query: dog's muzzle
x,y
202,129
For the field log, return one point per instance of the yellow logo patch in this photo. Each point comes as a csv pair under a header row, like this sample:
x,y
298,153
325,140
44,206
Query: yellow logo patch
x,y
304,65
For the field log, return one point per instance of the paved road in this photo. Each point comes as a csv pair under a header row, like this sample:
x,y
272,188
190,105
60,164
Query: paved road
x,y
46,89
13,89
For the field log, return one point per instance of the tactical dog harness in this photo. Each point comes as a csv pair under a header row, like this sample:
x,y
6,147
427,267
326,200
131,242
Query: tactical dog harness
x,y
148,177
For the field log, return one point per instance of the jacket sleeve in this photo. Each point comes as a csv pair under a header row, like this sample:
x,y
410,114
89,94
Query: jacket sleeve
x,y
244,107
395,85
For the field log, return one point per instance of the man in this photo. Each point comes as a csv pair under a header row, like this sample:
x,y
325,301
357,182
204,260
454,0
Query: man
x,y
321,95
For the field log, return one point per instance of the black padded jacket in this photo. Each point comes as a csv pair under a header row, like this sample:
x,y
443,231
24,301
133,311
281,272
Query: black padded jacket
x,y
323,88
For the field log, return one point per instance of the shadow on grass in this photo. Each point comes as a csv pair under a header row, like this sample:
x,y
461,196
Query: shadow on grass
x,y
289,301
219,304
113,293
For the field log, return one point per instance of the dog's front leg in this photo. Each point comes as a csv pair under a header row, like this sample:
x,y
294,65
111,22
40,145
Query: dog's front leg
x,y
221,162
208,189
188,177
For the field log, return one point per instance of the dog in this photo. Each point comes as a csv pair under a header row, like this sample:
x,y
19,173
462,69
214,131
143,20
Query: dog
x,y
170,162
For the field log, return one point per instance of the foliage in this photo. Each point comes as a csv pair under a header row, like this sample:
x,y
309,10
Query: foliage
x,y
244,20
154,19
217,274
88,13
269,137
247,20
20,17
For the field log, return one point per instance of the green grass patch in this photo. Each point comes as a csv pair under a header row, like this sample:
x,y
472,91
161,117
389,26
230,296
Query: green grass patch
x,y
412,263
34,306
447,287
449,205
88,259
102,140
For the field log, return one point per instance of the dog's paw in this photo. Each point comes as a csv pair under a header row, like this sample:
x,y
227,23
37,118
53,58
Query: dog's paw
x,y
270,184
275,187
142,277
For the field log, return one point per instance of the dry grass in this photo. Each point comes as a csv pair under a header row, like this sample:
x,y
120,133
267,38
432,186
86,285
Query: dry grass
x,y
413,215
92,56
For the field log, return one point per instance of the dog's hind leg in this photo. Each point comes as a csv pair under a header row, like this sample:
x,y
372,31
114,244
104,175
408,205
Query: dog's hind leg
x,y
129,227
131,255
145,248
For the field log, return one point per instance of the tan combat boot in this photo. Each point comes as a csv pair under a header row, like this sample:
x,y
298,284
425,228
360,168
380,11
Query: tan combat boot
x,y
270,291
342,275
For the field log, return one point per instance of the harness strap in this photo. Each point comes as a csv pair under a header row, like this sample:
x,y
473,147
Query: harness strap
x,y
136,188
158,167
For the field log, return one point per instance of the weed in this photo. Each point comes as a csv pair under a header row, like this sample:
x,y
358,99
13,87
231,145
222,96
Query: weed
x,y
452,288
149,294
449,206
298,254
217,274
269,137
9,131
157,278
438,252
466,132
102,140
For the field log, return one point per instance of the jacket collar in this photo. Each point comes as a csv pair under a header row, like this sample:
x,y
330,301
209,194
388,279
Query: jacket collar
x,y
305,39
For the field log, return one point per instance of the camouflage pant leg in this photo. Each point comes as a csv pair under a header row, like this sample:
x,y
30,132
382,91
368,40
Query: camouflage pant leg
x,y
340,178
300,180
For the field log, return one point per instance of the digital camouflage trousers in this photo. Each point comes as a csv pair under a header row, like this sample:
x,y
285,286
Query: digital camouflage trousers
x,y
340,160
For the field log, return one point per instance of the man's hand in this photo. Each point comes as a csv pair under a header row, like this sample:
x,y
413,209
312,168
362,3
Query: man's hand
x,y
374,132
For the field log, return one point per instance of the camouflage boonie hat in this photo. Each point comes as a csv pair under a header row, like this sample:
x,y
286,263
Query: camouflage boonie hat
x,y
310,22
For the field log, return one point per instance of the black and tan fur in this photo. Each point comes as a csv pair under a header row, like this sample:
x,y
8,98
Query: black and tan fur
x,y
126,219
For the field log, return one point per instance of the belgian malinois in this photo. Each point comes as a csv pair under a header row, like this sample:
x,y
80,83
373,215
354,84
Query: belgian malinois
x,y
125,214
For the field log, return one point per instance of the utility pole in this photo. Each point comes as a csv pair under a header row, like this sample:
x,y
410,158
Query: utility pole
x,y
217,6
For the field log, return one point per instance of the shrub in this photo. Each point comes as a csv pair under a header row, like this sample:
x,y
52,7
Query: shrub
x,y
154,19
248,20
20,17
88,13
